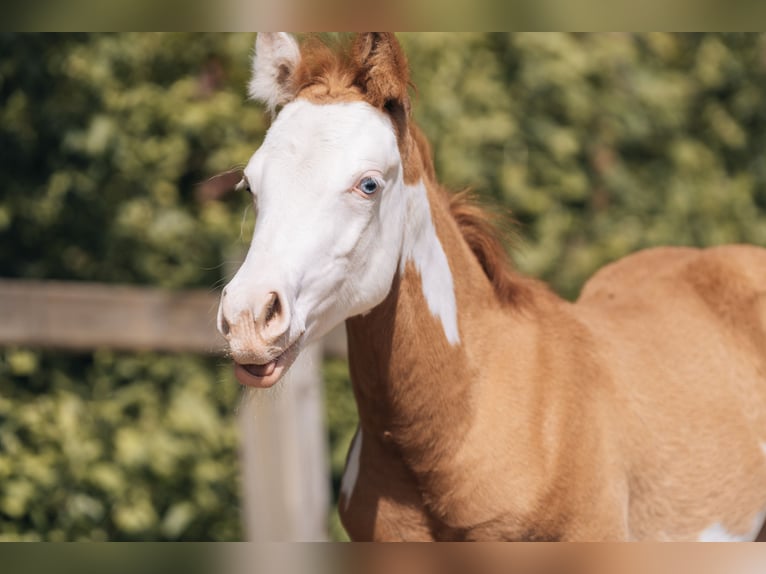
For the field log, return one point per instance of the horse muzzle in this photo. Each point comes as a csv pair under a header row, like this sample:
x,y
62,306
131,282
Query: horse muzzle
x,y
258,333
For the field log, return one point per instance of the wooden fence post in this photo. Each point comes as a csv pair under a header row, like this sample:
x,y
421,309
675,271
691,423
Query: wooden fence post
x,y
284,457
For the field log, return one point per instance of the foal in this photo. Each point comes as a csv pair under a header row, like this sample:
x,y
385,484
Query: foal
x,y
490,409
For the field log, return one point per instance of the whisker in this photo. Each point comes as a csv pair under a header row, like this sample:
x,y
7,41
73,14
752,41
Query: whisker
x,y
219,185
214,267
242,224
215,286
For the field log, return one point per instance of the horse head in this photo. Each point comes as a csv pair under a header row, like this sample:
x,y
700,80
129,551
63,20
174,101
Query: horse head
x,y
327,185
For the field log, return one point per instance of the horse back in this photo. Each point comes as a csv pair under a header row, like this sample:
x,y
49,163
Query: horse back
x,y
725,284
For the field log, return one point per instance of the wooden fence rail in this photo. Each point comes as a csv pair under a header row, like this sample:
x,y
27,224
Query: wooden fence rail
x,y
283,455
82,316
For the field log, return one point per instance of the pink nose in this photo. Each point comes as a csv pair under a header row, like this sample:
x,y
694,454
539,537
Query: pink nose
x,y
266,320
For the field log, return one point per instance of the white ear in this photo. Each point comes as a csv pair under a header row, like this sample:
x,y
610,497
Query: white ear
x,y
276,57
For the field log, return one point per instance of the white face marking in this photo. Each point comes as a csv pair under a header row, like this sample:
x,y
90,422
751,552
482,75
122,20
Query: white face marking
x,y
351,472
332,252
717,533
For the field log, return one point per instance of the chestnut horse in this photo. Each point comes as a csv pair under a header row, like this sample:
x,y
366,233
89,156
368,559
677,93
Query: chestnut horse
x,y
490,409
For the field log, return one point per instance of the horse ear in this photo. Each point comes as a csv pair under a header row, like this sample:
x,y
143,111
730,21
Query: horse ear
x,y
276,57
382,71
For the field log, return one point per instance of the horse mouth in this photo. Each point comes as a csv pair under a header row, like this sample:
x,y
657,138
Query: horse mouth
x,y
266,375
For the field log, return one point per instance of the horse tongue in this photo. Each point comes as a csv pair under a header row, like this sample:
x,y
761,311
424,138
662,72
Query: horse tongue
x,y
261,370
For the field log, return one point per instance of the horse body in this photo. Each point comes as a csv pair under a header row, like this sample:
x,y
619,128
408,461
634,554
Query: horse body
x,y
636,413
490,408
683,333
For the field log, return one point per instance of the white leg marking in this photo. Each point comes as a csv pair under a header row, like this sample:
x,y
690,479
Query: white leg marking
x,y
717,533
351,472
423,248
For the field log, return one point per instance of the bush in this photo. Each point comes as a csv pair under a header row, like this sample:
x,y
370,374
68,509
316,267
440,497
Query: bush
x,y
110,446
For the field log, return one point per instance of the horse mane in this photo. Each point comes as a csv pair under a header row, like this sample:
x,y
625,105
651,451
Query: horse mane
x,y
485,231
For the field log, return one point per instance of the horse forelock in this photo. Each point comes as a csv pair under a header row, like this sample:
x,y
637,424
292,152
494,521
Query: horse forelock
x,y
326,72
350,68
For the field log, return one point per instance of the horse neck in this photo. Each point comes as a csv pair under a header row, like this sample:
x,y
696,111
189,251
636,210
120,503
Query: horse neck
x,y
411,378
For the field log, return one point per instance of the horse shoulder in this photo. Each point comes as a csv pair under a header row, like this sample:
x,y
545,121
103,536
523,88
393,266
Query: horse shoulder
x,y
544,399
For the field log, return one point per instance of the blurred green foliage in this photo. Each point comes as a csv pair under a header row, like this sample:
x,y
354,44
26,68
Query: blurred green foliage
x,y
116,447
600,144
103,139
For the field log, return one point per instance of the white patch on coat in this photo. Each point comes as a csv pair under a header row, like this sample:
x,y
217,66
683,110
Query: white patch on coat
x,y
423,248
717,533
351,472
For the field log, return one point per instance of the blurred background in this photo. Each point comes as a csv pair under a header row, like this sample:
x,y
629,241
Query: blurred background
x,y
599,145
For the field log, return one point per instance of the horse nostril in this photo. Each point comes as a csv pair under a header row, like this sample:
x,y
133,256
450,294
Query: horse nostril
x,y
225,327
274,308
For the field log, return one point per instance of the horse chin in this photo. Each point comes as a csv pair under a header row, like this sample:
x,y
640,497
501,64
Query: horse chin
x,y
268,374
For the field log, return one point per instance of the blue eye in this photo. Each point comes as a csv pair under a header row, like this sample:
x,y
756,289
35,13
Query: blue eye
x,y
368,185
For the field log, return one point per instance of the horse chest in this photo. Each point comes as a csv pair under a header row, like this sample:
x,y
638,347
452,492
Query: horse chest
x,y
379,499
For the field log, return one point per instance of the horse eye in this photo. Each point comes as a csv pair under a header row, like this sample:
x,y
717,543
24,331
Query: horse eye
x,y
368,185
243,184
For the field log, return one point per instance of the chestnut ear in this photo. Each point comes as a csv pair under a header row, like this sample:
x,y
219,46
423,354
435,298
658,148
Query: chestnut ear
x,y
276,57
382,71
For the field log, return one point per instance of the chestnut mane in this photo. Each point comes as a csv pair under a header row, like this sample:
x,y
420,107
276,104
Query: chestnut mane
x,y
480,230
484,231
